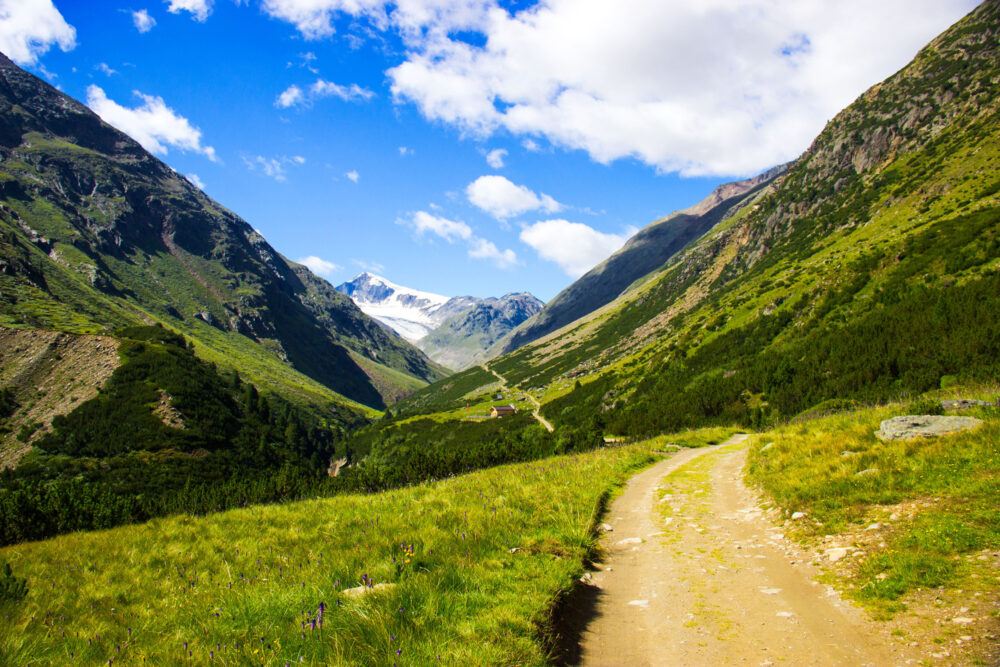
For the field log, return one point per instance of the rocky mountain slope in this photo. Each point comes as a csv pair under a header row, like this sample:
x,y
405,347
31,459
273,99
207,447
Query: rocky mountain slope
x,y
95,233
45,374
455,331
869,270
477,334
647,251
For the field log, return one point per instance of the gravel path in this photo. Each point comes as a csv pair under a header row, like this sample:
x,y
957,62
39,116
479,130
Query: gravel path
x,y
695,574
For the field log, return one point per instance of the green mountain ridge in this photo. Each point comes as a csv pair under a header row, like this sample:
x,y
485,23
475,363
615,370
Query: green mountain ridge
x,y
98,234
646,251
869,270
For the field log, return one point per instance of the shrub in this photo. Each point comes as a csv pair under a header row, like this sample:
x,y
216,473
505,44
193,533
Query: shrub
x,y
12,589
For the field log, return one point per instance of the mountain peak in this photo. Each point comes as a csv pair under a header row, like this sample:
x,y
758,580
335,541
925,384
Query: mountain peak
x,y
474,324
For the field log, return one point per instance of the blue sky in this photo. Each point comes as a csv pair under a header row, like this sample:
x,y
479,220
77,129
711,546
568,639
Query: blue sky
x,y
466,146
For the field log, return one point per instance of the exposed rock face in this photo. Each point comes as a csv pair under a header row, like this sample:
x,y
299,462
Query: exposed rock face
x,y
49,374
477,334
924,426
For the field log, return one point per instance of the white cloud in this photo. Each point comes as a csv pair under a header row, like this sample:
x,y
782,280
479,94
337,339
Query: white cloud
x,y
449,230
353,175
404,151
290,97
452,230
483,249
143,21
371,267
153,124
199,9
722,87
495,157
313,18
503,199
104,67
531,145
350,93
295,96
29,29
308,58
274,166
195,181
575,247
319,266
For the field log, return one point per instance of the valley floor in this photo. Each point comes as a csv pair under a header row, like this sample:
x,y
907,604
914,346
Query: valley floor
x,y
697,574
536,413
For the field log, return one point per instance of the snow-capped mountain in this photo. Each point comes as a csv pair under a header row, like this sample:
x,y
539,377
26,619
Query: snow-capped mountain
x,y
410,313
414,314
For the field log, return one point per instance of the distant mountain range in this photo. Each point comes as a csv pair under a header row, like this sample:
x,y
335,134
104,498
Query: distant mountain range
x,y
453,331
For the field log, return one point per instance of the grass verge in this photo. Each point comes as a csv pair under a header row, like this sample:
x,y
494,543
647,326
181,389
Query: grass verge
x,y
472,567
919,513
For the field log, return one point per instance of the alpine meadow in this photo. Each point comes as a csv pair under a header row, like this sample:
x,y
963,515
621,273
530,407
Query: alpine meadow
x,y
762,428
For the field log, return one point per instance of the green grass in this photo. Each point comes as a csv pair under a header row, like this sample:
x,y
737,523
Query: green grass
x,y
701,437
475,564
945,490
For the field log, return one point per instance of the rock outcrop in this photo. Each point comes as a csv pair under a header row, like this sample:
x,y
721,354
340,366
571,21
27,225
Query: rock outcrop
x,y
924,426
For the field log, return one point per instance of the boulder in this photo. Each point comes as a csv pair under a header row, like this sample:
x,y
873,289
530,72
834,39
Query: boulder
x,y
923,426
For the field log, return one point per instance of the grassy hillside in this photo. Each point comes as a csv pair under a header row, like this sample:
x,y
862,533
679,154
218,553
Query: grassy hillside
x,y
647,251
96,234
930,502
467,570
166,433
870,270
464,571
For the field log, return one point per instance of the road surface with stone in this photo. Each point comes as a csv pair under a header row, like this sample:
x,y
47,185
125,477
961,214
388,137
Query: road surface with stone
x,y
695,574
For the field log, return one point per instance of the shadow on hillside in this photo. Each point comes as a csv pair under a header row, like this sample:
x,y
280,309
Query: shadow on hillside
x,y
573,613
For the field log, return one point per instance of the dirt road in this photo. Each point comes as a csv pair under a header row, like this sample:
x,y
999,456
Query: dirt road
x,y
696,575
537,414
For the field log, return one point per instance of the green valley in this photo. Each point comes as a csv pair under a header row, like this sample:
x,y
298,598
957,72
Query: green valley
x,y
209,455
